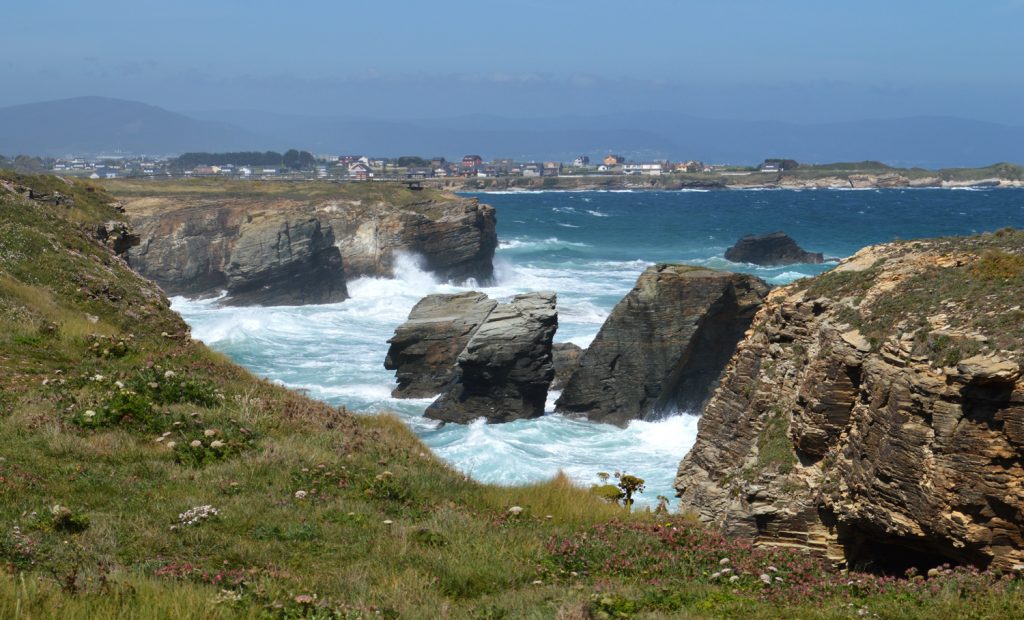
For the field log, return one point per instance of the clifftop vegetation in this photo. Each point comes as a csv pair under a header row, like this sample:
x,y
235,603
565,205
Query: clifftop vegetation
x,y
142,475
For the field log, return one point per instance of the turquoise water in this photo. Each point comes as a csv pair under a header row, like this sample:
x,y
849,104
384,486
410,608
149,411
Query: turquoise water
x,y
589,247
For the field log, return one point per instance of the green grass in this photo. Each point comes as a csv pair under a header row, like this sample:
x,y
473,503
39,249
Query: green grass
x,y
382,192
320,513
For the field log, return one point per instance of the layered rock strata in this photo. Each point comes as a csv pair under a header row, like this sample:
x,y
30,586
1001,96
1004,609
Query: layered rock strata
x,y
875,414
664,345
771,250
504,372
424,349
189,241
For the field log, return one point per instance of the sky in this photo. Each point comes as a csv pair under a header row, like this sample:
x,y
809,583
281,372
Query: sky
x,y
787,60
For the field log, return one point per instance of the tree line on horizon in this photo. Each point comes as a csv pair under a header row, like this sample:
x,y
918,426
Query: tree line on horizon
x,y
294,159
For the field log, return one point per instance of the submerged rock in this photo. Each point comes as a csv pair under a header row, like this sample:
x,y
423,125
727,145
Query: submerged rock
x,y
504,372
424,349
664,345
882,445
771,250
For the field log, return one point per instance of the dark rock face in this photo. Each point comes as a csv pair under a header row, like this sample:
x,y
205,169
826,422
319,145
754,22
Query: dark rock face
x,y
771,250
504,372
294,262
424,349
664,345
117,236
566,358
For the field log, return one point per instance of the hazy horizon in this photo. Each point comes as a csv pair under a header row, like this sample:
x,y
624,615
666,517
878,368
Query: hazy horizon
x,y
735,60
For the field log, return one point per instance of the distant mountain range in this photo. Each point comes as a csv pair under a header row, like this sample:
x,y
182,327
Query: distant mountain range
x,y
94,125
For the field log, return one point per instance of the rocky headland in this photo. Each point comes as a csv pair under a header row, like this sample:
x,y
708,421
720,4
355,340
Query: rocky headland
x,y
294,244
664,345
874,415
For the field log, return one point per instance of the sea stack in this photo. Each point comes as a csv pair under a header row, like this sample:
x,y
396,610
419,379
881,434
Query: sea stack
x,y
771,250
664,345
506,368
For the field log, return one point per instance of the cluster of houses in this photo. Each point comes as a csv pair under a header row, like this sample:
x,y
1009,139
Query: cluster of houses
x,y
362,168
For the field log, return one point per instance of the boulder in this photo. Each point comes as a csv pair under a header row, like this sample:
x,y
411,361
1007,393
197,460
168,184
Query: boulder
x,y
424,349
771,250
664,345
566,358
505,370
284,261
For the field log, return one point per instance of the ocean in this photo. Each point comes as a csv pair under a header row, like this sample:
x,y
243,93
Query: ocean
x,y
589,247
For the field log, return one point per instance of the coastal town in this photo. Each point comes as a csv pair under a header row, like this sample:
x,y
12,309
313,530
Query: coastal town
x,y
298,165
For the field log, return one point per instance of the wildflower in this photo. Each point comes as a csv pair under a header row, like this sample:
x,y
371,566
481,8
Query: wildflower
x,y
153,385
169,374
89,414
515,511
387,522
210,432
723,562
304,599
766,579
734,579
300,494
171,444
97,377
119,385
196,515
195,443
538,583
217,444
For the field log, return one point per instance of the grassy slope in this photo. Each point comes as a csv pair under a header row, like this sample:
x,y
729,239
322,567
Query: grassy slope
x,y
390,193
384,529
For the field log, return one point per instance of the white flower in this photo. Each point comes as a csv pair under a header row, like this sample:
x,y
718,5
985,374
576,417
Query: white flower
x,y
169,374
515,511
119,385
300,494
89,414
209,432
766,579
171,444
216,444
97,377
734,579
387,521
195,443
196,515
723,562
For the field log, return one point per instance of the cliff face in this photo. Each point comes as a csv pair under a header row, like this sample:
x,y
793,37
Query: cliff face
x,y
198,242
875,414
664,345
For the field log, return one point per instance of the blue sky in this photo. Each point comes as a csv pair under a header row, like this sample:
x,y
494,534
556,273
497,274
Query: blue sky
x,y
782,60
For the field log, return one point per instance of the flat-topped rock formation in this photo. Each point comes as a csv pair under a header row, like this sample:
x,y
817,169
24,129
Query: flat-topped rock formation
x,y
199,238
771,250
664,345
875,414
504,372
